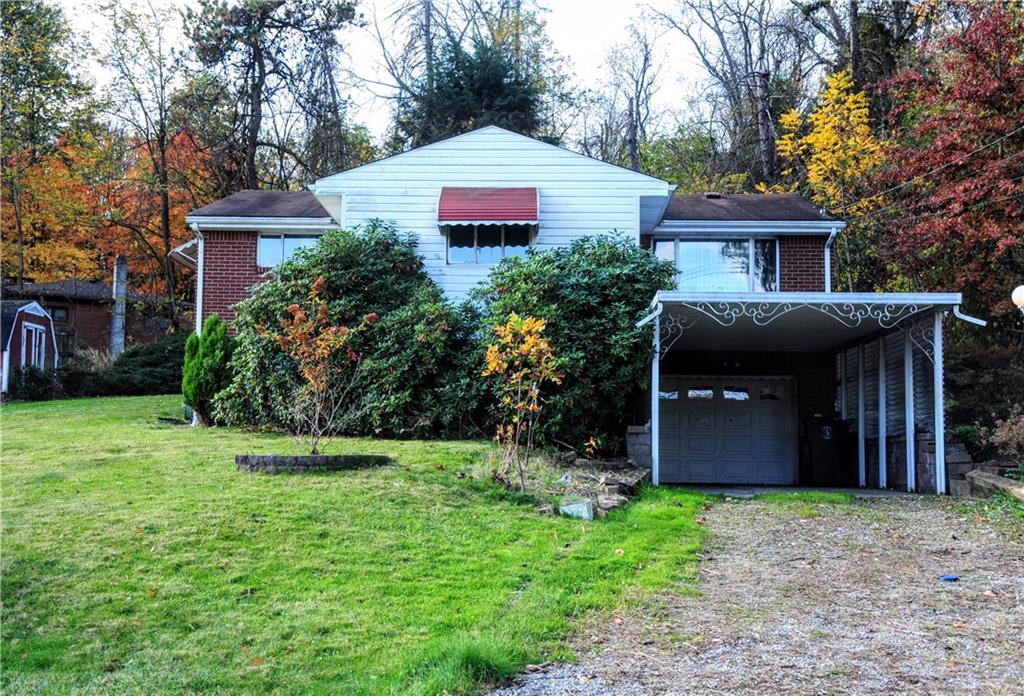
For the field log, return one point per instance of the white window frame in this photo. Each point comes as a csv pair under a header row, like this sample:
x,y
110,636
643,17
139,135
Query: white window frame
x,y
281,236
38,333
750,255
476,228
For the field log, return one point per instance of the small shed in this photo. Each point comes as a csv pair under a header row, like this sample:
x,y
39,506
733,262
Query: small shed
x,y
27,337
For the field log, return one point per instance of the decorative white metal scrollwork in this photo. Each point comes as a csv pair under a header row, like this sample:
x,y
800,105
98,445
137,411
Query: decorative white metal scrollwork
x,y
923,336
850,314
671,328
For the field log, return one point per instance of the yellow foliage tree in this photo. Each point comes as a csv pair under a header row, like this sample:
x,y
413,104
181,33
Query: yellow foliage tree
x,y
831,152
830,155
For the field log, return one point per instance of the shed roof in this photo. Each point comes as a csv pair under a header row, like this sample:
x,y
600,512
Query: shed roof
x,y
8,314
70,289
266,204
733,207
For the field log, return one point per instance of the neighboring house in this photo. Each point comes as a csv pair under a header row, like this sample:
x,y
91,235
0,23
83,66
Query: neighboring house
x,y
27,337
82,312
750,347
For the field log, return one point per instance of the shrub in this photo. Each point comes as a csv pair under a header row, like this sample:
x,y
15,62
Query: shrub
x,y
590,296
522,363
983,385
420,365
323,401
205,368
1007,435
147,368
31,383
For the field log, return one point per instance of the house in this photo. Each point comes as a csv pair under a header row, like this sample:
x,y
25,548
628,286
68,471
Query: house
x,y
83,312
754,351
28,339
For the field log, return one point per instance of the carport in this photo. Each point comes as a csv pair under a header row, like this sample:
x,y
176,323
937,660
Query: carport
x,y
736,378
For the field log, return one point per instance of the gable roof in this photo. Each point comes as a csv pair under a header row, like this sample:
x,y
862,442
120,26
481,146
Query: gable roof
x,y
469,136
265,204
9,310
71,289
737,207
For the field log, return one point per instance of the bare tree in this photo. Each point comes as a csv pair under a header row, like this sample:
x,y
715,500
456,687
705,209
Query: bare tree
x,y
755,57
621,116
146,73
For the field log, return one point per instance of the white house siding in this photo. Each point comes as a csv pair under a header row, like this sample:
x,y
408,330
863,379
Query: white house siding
x,y
578,196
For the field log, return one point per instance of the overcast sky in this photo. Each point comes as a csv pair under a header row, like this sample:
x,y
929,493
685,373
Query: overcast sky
x,y
582,30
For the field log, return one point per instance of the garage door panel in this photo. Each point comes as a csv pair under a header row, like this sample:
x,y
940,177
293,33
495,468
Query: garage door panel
x,y
737,445
724,430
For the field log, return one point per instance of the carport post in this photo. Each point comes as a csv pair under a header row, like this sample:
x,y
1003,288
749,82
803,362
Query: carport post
x,y
883,463
908,405
862,464
655,402
940,416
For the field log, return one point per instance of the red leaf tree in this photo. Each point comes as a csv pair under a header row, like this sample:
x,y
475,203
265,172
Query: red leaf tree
x,y
956,181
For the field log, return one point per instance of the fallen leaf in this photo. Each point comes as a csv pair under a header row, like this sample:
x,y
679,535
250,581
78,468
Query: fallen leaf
x,y
619,552
256,660
152,592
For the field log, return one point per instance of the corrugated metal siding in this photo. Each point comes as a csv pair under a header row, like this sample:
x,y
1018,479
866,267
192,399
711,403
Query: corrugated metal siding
x,y
851,385
895,405
871,388
579,196
924,402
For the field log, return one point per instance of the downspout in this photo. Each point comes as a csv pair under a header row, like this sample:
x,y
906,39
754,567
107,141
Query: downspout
x,y
199,278
969,319
655,317
828,258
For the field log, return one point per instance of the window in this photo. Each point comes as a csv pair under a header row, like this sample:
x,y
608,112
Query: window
x,y
773,393
736,394
700,393
33,345
58,313
67,342
486,244
272,249
668,395
723,265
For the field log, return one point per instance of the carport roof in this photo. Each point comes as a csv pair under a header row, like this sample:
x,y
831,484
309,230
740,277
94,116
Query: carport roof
x,y
786,321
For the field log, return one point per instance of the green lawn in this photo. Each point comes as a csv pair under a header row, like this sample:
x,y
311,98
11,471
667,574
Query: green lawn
x,y
135,559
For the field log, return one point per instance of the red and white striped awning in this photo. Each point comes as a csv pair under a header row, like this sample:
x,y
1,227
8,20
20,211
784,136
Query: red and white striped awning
x,y
487,206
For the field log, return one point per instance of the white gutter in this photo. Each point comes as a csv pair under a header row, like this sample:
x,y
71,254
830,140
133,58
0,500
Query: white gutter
x,y
256,224
828,258
748,228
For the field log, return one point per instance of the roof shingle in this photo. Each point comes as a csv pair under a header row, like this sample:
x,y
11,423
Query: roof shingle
x,y
733,207
253,203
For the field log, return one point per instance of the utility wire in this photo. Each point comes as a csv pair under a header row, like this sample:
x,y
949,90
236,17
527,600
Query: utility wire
x,y
940,168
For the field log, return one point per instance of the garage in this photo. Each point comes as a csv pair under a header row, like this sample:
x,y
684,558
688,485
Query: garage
x,y
739,430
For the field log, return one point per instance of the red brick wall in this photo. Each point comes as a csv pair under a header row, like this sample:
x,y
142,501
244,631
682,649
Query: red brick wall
x,y
229,270
802,261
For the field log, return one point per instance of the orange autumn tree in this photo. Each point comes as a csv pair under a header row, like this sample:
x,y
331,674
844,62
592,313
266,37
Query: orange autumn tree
x,y
131,194
326,400
49,221
522,361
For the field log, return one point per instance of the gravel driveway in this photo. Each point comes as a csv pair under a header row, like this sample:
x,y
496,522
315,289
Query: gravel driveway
x,y
820,599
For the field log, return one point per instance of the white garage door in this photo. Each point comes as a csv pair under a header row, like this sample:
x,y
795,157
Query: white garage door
x,y
728,430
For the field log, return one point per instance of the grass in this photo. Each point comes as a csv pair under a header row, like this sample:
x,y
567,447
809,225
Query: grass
x,y
1000,510
136,560
806,504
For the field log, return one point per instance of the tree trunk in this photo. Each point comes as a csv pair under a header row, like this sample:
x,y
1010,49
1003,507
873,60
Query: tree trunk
x,y
766,144
631,139
255,118
855,55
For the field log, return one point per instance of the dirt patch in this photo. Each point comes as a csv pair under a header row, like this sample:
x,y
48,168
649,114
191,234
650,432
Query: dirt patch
x,y
818,598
